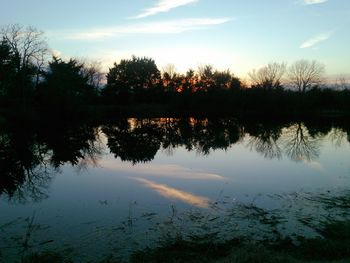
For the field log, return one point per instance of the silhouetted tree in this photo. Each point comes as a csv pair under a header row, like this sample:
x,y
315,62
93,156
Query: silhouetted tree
x,y
29,48
92,71
190,81
304,74
206,74
133,75
268,77
342,83
169,71
222,79
170,78
7,67
65,85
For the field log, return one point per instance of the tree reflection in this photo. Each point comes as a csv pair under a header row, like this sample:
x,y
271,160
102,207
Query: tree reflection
x,y
135,142
29,158
299,145
141,139
73,145
264,140
30,155
23,166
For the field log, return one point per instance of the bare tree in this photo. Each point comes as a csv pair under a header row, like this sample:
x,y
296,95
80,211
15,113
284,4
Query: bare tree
x,y
170,77
169,71
30,51
269,76
92,70
206,72
27,43
305,74
341,83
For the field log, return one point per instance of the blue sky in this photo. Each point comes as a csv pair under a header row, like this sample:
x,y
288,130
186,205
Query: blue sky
x,y
235,34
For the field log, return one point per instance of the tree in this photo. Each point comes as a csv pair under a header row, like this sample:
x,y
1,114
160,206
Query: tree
x,y
170,77
65,85
169,71
7,67
206,74
269,76
190,80
28,50
222,79
27,43
305,74
341,83
92,71
134,74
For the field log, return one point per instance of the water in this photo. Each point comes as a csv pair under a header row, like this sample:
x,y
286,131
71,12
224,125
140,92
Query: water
x,y
92,191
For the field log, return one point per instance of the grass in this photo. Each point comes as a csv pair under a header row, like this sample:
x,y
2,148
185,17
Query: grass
x,y
333,247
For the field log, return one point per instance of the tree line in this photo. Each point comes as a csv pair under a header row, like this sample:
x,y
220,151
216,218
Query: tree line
x,y
29,77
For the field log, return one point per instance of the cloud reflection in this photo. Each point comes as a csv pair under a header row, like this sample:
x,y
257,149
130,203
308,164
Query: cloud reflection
x,y
161,170
315,165
175,194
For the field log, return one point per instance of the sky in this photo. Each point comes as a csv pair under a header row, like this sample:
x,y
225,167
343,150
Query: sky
x,y
239,35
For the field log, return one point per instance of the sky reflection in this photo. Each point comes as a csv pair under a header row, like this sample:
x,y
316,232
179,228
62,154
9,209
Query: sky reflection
x,y
161,170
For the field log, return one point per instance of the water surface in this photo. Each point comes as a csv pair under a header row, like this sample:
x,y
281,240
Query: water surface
x,y
91,191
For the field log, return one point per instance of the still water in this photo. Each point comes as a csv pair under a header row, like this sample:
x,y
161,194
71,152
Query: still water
x,y
93,191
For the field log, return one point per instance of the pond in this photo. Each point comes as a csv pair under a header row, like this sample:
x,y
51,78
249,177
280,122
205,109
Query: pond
x,y
108,190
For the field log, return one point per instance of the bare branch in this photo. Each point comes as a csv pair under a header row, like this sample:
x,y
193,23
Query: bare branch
x,y
269,76
304,74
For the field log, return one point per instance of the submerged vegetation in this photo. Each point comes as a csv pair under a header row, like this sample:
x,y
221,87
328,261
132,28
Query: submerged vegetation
x,y
28,79
331,246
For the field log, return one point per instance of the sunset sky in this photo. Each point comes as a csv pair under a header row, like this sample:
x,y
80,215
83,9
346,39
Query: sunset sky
x,y
235,34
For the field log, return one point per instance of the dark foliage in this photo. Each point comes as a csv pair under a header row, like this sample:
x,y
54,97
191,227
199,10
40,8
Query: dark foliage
x,y
65,87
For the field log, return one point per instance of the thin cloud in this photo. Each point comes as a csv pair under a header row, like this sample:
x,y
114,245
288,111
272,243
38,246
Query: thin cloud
x,y
316,40
165,27
314,2
164,6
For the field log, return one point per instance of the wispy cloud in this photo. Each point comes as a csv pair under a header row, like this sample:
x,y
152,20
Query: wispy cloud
x,y
164,6
316,40
163,27
314,2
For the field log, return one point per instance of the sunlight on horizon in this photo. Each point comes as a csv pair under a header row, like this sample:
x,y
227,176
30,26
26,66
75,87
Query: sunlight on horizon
x,y
238,36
